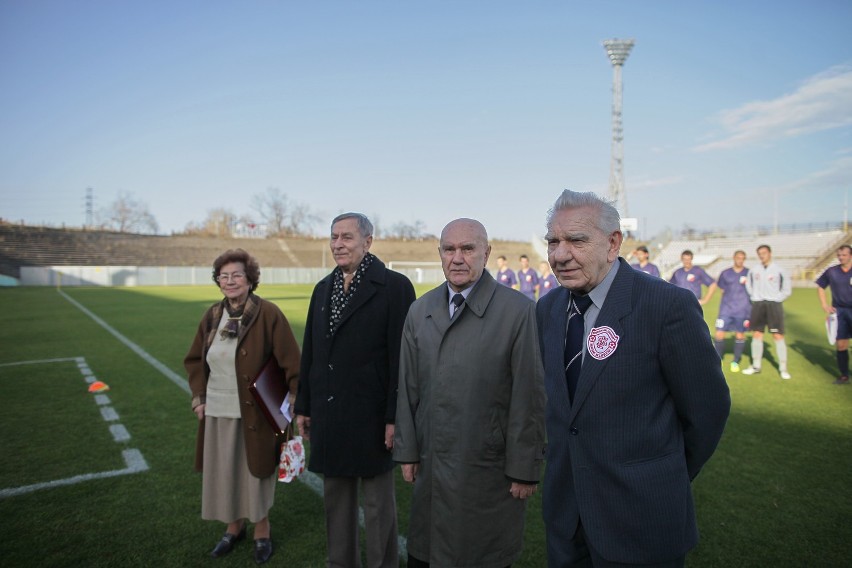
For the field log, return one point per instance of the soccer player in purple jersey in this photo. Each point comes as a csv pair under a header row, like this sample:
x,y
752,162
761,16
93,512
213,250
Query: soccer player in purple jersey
x,y
505,275
641,254
527,278
548,281
692,277
734,309
839,279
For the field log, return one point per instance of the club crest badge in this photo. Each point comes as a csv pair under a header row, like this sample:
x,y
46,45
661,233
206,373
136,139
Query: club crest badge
x,y
602,342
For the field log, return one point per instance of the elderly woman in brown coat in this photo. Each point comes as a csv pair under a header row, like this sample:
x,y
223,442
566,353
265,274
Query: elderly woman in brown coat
x,y
236,446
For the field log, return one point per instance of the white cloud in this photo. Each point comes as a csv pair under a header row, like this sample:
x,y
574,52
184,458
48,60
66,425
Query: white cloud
x,y
837,175
822,102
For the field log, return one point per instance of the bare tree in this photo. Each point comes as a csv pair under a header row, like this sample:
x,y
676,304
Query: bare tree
x,y
127,215
282,216
273,208
401,230
219,222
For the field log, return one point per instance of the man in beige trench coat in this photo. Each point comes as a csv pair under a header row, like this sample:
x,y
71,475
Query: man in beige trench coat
x,y
470,411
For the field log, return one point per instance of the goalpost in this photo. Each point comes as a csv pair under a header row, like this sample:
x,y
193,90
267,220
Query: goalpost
x,y
419,272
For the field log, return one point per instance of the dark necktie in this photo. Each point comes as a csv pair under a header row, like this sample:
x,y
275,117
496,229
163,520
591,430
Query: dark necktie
x,y
574,341
457,301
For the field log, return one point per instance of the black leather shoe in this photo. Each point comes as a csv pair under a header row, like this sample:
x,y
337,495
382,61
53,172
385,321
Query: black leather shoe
x,y
262,550
227,543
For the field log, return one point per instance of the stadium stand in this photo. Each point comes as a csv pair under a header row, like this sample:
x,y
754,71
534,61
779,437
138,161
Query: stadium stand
x,y
22,245
801,254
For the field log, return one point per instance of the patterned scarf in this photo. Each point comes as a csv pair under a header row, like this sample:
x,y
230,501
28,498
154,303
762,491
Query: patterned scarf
x,y
339,298
235,318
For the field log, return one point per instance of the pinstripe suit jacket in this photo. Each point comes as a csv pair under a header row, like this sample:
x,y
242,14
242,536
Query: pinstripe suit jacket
x,y
643,423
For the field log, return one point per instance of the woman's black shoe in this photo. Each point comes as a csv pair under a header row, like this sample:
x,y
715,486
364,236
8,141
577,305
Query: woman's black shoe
x,y
262,550
227,543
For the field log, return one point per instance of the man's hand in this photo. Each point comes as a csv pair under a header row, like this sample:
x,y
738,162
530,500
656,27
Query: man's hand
x,y
522,490
303,423
409,471
389,437
199,411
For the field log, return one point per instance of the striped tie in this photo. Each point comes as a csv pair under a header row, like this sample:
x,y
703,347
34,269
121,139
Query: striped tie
x,y
574,341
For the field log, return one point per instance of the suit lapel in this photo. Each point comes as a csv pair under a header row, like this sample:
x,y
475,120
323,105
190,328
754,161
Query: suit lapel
x,y
616,306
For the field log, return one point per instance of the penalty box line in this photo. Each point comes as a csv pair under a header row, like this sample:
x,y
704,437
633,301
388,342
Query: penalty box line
x,y
133,459
310,479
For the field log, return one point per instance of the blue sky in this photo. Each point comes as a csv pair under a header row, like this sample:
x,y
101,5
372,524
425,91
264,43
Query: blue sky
x,y
735,112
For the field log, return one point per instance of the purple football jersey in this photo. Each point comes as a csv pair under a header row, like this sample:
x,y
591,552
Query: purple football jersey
x,y
735,300
691,280
528,281
507,278
841,285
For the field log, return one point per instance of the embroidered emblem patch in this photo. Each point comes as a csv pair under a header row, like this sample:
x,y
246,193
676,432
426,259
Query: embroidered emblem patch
x,y
602,342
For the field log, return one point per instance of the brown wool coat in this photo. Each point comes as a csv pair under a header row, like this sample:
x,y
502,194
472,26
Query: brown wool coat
x,y
265,333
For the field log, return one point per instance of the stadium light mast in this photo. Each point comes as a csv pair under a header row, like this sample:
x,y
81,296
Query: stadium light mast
x,y
617,50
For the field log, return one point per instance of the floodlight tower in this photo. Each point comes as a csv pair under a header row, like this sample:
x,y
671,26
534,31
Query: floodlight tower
x,y
617,50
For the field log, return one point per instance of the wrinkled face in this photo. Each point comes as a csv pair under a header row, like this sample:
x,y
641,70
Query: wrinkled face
x,y
233,282
348,245
739,260
764,255
844,256
464,252
579,252
686,260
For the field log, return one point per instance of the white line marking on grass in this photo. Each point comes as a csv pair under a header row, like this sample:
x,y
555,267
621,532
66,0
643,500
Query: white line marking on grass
x,y
119,432
39,361
109,414
169,374
308,478
132,458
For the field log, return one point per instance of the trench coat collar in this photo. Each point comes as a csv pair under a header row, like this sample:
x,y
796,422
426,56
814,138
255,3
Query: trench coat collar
x,y
617,306
476,302
249,316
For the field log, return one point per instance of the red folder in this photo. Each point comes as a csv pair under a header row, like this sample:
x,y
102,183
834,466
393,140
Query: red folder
x,y
269,389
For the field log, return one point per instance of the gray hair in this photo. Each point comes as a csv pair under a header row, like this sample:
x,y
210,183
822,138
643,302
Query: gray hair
x,y
364,225
608,219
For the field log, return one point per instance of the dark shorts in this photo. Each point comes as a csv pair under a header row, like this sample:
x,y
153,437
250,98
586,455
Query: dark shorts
x,y
769,315
732,323
844,323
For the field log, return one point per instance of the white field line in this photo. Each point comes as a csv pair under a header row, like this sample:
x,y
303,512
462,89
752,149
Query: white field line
x,y
133,458
310,479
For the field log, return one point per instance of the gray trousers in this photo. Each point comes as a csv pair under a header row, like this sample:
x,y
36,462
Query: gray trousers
x,y
340,495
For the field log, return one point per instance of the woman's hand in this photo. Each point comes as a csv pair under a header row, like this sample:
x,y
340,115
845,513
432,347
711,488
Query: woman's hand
x,y
199,411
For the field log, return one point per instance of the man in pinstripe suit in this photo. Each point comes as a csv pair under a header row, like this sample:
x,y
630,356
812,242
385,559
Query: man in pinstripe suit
x,y
634,409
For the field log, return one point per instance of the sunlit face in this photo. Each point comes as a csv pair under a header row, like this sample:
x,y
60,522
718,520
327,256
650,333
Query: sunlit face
x,y
579,252
544,268
642,256
686,260
525,263
234,283
501,263
739,260
464,251
844,257
348,245
764,255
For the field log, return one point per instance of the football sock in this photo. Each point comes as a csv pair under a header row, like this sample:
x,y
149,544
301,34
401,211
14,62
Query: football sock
x,y
720,347
756,352
843,362
781,349
739,347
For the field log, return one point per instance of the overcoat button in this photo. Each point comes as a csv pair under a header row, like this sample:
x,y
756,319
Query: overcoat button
x,y
573,431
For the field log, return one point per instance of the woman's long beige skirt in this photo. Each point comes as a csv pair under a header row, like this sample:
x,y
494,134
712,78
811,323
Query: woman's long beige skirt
x,y
229,490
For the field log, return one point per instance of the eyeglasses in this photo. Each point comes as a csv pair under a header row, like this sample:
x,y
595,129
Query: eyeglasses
x,y
225,277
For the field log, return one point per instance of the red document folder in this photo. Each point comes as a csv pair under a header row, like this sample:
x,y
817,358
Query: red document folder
x,y
269,389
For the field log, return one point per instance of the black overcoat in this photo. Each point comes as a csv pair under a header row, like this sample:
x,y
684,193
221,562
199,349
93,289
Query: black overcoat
x,y
349,379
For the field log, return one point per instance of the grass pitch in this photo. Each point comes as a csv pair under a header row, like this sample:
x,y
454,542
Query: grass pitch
x,y
775,493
